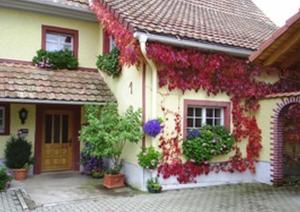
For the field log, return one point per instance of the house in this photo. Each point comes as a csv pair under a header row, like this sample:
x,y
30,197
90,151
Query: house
x,y
183,61
52,100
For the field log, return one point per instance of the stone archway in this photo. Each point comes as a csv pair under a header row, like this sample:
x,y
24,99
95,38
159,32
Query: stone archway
x,y
284,144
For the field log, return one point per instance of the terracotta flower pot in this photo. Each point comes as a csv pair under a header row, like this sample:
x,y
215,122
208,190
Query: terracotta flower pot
x,y
113,181
20,174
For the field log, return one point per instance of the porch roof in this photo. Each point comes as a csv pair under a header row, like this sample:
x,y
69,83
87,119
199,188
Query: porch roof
x,y
26,82
283,47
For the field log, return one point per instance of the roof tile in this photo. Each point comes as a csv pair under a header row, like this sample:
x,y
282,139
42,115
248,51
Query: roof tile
x,y
236,23
29,82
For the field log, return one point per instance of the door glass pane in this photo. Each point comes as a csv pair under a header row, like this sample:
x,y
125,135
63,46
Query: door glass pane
x,y
56,128
48,129
65,128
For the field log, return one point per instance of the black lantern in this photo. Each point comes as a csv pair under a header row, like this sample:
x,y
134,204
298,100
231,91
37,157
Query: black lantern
x,y
23,114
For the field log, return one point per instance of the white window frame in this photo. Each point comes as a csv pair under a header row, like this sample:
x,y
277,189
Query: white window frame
x,y
203,116
61,41
2,128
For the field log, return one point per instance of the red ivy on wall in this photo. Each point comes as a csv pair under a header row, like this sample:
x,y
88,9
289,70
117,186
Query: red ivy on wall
x,y
126,43
188,69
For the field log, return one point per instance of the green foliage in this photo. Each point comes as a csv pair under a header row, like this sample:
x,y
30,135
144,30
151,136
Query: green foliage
x,y
153,185
17,153
149,158
109,63
212,141
4,178
63,59
107,131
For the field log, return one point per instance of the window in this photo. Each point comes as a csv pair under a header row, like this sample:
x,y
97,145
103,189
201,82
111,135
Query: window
x,y
108,42
200,113
56,39
4,119
200,116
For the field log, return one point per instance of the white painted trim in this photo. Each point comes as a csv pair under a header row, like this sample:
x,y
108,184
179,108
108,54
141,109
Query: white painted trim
x,y
51,7
36,101
236,51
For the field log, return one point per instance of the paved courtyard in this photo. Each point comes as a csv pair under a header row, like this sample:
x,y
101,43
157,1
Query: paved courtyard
x,y
246,198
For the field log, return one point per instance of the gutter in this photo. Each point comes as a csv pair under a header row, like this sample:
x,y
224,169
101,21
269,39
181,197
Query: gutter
x,y
240,52
37,101
51,7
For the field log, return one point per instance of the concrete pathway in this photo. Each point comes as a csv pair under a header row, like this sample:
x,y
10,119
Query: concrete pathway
x,y
65,192
233,198
58,187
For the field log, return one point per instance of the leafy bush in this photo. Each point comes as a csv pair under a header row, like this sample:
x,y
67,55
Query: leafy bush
x,y
63,59
107,131
109,63
153,186
17,153
4,178
211,142
149,158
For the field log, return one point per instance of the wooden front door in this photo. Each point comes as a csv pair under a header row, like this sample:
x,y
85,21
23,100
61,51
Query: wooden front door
x,y
57,141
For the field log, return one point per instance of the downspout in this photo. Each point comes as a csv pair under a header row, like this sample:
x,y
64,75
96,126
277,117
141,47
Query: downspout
x,y
143,40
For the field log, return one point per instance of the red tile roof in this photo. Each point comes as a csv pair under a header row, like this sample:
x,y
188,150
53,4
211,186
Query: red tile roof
x,y
237,23
20,81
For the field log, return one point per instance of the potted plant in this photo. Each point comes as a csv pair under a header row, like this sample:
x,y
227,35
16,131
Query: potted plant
x,y
4,179
153,186
149,158
97,173
107,132
18,156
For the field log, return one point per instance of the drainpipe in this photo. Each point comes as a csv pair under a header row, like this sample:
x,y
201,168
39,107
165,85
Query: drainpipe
x,y
143,40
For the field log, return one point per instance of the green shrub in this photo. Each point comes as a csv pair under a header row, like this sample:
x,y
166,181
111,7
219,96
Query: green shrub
x,y
107,132
153,186
63,59
17,153
4,178
149,158
211,142
109,63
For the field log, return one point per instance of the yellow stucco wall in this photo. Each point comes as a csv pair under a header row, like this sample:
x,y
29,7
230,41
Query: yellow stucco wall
x,y
127,89
263,119
15,124
20,35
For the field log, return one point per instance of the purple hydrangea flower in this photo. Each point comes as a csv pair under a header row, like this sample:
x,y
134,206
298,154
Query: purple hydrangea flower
x,y
152,127
194,133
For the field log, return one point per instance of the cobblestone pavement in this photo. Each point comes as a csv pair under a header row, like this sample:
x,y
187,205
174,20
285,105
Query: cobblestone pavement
x,y
239,198
9,202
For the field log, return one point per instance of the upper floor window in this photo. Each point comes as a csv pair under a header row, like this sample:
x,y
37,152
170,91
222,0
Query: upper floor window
x,y
200,113
56,39
108,43
4,119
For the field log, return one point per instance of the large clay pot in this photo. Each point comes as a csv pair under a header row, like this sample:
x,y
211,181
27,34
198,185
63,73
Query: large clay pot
x,y
113,181
20,174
